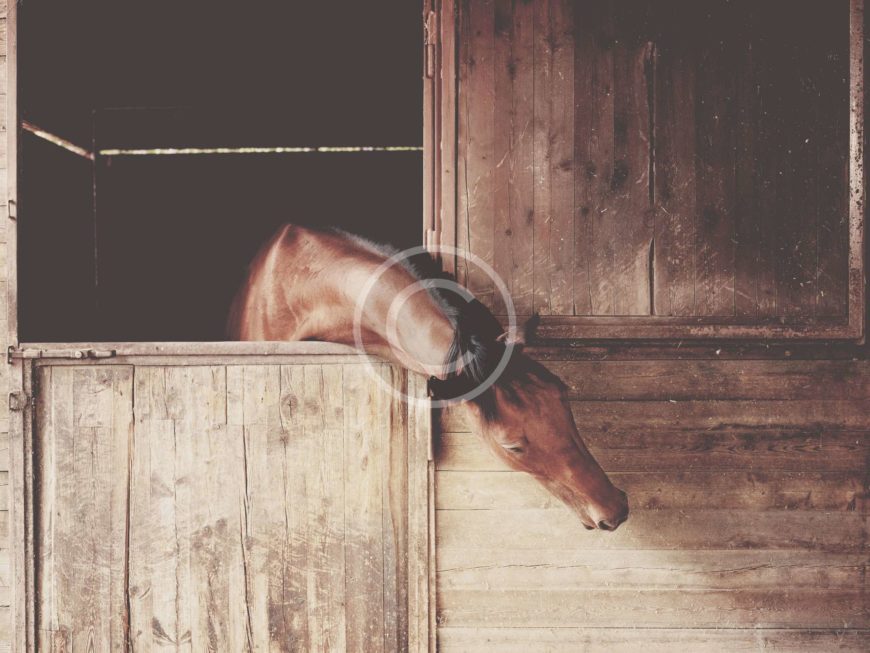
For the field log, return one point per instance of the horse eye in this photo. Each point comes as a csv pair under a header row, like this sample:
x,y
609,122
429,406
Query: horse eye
x,y
513,448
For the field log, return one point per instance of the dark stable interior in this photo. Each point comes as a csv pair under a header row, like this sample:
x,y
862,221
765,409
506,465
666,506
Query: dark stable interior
x,y
169,242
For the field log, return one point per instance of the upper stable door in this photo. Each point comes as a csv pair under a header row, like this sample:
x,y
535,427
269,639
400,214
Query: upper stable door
x,y
667,169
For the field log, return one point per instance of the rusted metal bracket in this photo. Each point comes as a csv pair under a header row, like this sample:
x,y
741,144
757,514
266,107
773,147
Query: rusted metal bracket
x,y
18,401
27,353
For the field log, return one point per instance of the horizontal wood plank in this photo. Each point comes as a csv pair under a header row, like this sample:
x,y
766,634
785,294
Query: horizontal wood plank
x,y
686,380
649,640
699,450
572,569
835,532
654,608
711,415
671,490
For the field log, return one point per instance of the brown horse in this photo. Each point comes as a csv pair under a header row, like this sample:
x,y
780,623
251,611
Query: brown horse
x,y
306,284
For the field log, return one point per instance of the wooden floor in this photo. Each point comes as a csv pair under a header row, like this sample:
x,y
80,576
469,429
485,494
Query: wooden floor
x,y
748,529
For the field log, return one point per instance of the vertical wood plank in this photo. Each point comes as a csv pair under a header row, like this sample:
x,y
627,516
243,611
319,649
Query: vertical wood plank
x,y
323,404
554,158
830,66
364,440
675,209
631,209
715,119
478,155
593,156
301,445
448,120
746,219
420,525
395,519
85,436
798,192
514,145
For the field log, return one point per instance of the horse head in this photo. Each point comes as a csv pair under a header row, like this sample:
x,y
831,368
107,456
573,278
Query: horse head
x,y
525,418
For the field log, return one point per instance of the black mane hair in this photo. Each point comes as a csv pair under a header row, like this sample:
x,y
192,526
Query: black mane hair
x,y
476,340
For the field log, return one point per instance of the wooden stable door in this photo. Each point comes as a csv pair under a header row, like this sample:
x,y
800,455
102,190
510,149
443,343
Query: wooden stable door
x,y
656,168
227,506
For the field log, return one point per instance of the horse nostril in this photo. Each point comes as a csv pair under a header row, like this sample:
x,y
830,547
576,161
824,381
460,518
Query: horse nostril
x,y
605,526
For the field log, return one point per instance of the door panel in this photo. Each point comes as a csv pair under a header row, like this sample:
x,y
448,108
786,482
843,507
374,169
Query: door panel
x,y
663,169
226,506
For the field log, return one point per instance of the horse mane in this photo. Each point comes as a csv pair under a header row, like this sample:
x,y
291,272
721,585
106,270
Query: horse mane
x,y
476,340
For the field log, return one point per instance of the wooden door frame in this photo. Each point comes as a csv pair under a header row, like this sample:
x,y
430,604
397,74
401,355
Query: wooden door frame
x,y
440,213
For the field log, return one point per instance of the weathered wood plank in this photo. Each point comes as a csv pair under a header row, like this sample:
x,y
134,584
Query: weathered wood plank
x,y
244,509
593,155
715,168
514,228
326,580
87,433
675,183
300,445
747,222
364,450
830,67
553,158
630,208
477,148
686,380
712,415
569,569
835,532
653,608
832,491
651,640
644,451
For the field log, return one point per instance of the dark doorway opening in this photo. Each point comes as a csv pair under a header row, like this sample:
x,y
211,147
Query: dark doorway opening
x,y
212,125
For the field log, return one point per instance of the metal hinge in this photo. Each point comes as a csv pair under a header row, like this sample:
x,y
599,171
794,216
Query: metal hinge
x,y
18,401
28,353
12,210
431,27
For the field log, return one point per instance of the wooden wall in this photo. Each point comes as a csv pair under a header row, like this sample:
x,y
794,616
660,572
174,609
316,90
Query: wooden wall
x,y
5,619
748,485
227,506
671,159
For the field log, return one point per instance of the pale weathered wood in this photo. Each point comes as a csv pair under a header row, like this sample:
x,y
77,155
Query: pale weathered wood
x,y
86,438
250,507
651,640
835,532
671,490
654,608
556,569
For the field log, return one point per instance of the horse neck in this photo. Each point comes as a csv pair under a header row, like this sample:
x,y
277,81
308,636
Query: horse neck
x,y
400,319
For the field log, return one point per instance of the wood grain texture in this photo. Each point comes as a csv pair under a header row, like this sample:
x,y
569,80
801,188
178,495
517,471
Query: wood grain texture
x,y
747,485
554,158
707,178
247,507
651,640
